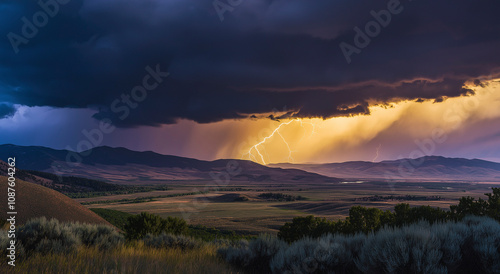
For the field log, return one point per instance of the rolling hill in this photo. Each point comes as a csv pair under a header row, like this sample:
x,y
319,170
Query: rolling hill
x,y
34,200
65,184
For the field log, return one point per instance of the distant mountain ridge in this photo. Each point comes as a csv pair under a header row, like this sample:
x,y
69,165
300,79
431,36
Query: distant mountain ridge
x,y
121,165
429,168
457,162
41,158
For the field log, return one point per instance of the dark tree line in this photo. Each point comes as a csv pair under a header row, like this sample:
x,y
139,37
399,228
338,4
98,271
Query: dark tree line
x,y
280,197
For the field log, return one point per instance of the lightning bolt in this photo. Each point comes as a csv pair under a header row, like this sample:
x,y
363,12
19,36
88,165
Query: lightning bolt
x,y
313,131
378,149
290,158
255,154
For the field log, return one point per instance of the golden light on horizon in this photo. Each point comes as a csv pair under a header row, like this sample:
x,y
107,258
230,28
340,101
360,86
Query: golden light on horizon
x,y
316,140
389,132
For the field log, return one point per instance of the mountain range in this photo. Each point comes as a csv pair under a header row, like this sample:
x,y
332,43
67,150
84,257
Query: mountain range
x,y
124,166
428,168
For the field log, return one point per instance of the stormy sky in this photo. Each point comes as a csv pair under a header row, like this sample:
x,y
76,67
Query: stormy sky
x,y
232,63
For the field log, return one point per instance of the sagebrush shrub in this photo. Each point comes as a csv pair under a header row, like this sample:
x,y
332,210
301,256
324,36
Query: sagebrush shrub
x,y
263,250
100,236
46,236
328,254
482,247
387,251
425,249
298,258
237,254
451,239
51,236
469,246
256,255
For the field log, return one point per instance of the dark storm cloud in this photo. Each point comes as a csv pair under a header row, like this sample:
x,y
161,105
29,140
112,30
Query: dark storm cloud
x,y
6,110
265,55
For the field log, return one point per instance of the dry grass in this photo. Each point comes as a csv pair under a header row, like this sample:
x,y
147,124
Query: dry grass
x,y
34,201
132,259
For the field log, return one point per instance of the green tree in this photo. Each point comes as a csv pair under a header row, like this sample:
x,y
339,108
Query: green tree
x,y
401,214
494,204
175,225
145,223
364,219
308,226
480,207
427,213
469,206
404,214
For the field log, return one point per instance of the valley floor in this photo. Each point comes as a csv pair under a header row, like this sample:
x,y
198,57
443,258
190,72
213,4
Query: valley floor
x,y
247,213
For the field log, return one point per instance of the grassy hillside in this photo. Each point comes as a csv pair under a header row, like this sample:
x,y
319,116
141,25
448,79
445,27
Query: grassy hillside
x,y
36,201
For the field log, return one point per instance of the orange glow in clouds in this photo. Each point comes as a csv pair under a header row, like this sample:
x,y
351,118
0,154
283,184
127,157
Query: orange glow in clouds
x,y
389,132
323,140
